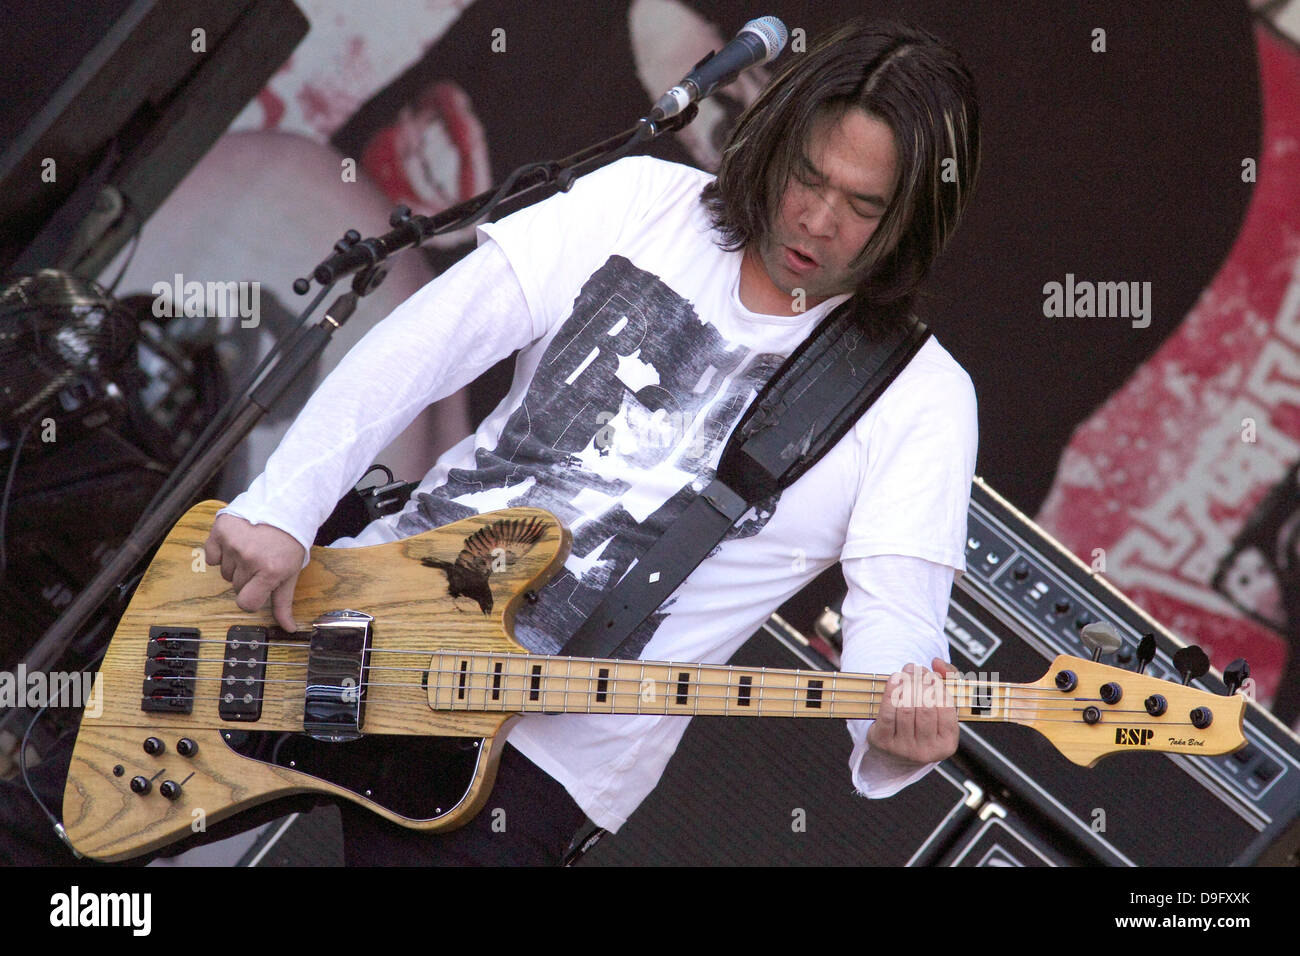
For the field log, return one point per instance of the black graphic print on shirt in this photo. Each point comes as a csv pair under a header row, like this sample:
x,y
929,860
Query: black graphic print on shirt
x,y
631,403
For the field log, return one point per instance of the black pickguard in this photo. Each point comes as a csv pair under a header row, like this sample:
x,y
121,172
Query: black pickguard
x,y
421,778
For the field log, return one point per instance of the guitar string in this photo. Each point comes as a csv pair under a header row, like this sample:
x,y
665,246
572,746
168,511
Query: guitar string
x,y
773,701
961,691
959,688
952,683
542,706
963,694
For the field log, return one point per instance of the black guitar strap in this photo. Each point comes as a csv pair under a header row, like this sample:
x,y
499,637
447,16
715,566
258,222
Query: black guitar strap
x,y
807,406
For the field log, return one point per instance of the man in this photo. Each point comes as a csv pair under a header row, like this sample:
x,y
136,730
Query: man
x,y
651,304
647,319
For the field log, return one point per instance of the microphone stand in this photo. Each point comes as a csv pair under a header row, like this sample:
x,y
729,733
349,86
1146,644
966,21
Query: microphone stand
x,y
356,257
412,230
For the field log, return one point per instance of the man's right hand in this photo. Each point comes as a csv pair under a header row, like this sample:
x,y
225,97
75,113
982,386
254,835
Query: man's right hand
x,y
261,561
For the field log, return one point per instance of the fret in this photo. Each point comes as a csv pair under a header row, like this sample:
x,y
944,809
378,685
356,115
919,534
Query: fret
x,y
477,684
699,682
834,686
619,680
568,669
439,701
639,686
762,687
519,695
507,697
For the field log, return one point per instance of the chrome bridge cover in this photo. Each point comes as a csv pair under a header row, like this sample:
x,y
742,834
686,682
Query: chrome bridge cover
x,y
337,665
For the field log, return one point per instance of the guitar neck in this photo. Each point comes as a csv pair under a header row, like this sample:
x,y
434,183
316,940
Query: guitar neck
x,y
531,683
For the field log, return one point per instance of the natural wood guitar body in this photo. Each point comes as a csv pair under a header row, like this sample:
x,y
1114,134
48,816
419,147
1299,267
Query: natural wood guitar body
x,y
105,819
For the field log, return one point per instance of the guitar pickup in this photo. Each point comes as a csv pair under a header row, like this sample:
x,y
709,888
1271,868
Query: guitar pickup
x,y
337,665
243,673
170,665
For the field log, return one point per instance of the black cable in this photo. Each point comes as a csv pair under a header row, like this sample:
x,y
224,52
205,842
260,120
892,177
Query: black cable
x,y
135,244
4,497
22,766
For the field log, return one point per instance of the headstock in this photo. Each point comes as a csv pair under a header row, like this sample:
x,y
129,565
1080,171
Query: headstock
x,y
1088,710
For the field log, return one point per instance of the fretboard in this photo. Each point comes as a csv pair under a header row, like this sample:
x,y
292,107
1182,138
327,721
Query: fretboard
x,y
529,683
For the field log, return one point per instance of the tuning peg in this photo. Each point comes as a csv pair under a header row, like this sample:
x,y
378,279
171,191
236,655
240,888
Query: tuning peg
x,y
399,215
1100,638
1235,674
1146,652
1191,662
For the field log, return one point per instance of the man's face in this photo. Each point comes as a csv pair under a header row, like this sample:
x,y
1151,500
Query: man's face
x,y
832,205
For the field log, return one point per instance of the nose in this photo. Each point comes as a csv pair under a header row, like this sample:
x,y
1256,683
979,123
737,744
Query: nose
x,y
817,217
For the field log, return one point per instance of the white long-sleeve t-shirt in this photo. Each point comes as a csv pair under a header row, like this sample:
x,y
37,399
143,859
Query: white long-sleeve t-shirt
x,y
637,360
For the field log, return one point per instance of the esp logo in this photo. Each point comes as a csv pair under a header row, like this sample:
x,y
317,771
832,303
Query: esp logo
x,y
1133,736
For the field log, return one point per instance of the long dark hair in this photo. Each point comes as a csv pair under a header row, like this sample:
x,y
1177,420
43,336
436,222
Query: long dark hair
x,y
908,78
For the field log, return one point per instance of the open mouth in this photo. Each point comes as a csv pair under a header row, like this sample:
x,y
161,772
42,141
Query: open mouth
x,y
798,261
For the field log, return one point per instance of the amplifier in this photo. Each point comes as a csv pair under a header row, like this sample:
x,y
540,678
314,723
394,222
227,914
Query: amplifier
x,y
1025,599
778,792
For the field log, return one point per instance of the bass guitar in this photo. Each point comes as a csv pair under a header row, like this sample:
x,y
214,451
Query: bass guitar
x,y
399,696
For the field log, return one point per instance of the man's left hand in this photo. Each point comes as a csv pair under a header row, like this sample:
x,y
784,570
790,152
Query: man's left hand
x,y
918,720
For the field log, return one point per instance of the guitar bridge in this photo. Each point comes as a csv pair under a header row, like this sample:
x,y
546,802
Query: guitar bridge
x,y
337,666
169,667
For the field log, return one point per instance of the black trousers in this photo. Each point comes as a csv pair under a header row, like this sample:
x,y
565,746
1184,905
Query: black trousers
x,y
540,820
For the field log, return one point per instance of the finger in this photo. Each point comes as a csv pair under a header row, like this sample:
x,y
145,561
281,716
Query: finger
x,y
890,698
947,672
948,730
211,551
255,592
243,574
229,564
905,716
282,604
929,704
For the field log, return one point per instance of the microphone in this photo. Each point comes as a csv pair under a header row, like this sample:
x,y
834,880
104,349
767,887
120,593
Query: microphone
x,y
758,41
